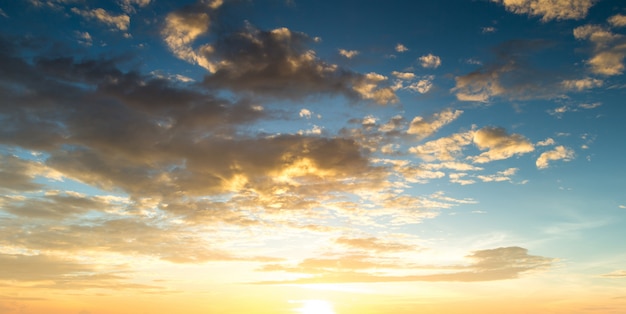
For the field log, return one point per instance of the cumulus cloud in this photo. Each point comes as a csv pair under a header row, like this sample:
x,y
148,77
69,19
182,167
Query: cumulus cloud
x,y
430,61
549,9
499,145
422,86
401,48
118,22
403,75
558,153
445,148
617,20
348,53
425,127
609,49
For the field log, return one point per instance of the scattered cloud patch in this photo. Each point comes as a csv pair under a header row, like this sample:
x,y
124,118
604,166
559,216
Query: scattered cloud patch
x,y
488,29
547,142
118,22
582,84
425,127
348,53
430,61
401,48
617,20
84,38
549,9
558,153
609,49
499,145
403,75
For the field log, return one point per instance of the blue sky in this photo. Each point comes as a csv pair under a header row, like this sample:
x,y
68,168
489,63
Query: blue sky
x,y
328,157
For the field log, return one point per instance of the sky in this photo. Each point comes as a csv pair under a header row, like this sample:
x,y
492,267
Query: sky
x,y
298,156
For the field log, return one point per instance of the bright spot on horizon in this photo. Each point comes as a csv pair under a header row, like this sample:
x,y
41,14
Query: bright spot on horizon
x,y
315,307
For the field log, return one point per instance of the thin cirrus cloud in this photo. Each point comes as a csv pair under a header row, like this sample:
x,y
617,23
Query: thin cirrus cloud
x,y
486,265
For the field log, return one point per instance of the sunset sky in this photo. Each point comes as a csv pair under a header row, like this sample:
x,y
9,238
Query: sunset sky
x,y
327,157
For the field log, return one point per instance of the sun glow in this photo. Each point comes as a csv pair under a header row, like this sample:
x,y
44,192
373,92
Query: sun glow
x,y
315,307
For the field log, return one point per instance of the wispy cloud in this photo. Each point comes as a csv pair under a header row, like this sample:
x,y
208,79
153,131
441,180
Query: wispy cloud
x,y
549,10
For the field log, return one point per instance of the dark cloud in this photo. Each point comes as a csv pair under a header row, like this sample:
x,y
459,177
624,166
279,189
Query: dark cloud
x,y
511,75
279,63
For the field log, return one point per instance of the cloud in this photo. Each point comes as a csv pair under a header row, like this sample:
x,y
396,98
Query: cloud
x,y
348,53
403,75
277,63
430,61
486,265
459,178
547,142
609,49
558,153
582,84
401,48
489,29
499,145
422,86
549,9
617,20
510,75
182,27
373,244
3,14
500,176
118,22
425,127
305,113
444,148
129,5
615,274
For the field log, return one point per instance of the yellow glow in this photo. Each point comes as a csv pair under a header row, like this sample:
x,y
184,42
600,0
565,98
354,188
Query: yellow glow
x,y
315,307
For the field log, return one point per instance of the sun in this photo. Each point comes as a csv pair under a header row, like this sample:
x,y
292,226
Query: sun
x,y
315,307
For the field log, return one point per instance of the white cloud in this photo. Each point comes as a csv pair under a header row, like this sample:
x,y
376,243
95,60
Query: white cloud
x,y
459,178
549,9
305,113
119,22
424,128
558,153
488,29
453,165
500,176
403,75
582,84
547,142
445,148
421,86
401,48
348,53
499,145
590,106
430,61
3,14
